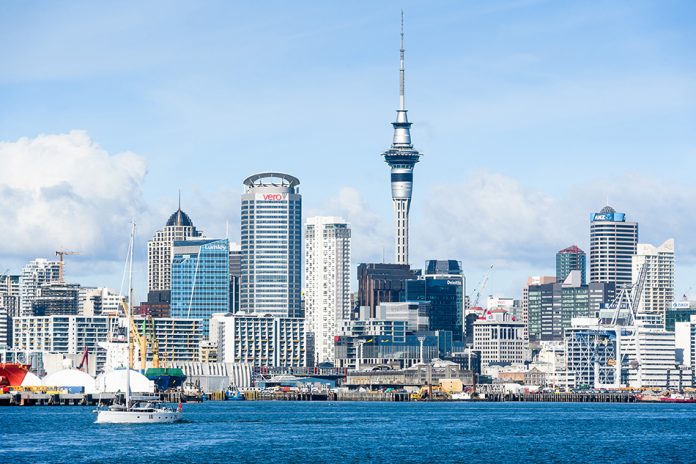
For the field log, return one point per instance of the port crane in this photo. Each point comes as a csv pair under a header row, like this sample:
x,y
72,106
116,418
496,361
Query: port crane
x,y
60,254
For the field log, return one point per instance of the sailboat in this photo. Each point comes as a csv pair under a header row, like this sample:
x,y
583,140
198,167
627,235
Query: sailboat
x,y
134,411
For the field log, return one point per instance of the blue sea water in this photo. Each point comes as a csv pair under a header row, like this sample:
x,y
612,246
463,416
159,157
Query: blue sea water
x,y
280,431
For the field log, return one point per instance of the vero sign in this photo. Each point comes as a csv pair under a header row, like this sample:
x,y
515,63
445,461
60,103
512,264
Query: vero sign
x,y
271,196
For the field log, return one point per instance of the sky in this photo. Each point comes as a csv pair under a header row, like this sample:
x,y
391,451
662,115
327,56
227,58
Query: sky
x,y
530,114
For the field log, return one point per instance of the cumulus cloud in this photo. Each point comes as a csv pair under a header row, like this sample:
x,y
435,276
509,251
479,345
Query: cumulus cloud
x,y
371,232
490,218
66,191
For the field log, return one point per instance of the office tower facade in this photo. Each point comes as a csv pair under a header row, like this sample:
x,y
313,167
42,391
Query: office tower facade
x,y
200,279
235,275
34,275
570,259
613,242
658,290
271,245
401,158
383,283
552,306
327,288
160,251
9,295
444,286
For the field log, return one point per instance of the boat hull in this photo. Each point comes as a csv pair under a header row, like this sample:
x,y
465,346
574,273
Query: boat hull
x,y
137,417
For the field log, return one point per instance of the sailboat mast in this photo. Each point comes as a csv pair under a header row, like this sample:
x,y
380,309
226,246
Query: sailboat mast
x,y
130,310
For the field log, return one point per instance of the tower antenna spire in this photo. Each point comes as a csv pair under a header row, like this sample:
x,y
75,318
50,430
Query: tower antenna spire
x,y
179,199
402,99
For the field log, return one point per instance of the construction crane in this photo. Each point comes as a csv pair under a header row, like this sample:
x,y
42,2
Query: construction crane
x,y
60,254
481,287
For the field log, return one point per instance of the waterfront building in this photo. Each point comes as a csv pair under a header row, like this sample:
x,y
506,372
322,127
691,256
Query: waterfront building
x,y
658,289
160,250
34,275
200,279
383,283
570,259
262,341
367,351
685,342
271,245
613,242
68,334
327,288
402,158
444,286
178,339
500,339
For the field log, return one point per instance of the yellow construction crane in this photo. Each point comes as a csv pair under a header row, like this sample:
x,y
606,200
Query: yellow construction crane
x,y
137,338
60,254
154,344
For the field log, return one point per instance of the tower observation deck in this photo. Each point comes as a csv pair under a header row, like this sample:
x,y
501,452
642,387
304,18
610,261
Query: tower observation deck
x,y
401,158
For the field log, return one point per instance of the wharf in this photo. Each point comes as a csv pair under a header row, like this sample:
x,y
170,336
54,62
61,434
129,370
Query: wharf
x,y
615,397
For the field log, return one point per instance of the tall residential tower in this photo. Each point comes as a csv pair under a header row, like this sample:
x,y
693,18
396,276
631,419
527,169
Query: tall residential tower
x,y
401,158
327,286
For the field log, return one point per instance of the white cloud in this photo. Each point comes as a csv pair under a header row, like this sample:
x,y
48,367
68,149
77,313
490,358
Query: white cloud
x,y
371,233
66,191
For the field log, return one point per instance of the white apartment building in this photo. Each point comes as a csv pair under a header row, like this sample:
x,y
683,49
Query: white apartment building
x,y
658,291
327,274
500,339
414,313
261,341
34,275
160,250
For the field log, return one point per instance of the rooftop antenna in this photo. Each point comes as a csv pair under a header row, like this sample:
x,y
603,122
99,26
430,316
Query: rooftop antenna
x,y
402,100
179,199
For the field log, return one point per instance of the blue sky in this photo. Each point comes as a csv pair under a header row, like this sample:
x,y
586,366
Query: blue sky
x,y
530,114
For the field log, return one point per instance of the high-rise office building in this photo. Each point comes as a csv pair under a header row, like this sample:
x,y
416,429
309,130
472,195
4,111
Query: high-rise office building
x,y
160,251
200,279
271,245
383,283
235,275
57,299
613,242
551,306
327,287
444,286
402,158
570,259
658,289
34,275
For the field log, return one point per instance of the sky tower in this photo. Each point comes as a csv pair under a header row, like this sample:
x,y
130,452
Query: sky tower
x,y
401,158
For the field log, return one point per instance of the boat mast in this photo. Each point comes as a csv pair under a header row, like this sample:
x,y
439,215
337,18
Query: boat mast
x,y
130,310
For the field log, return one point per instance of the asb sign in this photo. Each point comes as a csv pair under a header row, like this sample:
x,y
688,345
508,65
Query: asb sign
x,y
271,196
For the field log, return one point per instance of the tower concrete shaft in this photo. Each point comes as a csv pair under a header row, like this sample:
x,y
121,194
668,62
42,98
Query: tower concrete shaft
x,y
401,158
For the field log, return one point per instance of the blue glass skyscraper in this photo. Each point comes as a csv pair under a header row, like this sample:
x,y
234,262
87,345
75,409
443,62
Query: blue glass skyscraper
x,y
200,279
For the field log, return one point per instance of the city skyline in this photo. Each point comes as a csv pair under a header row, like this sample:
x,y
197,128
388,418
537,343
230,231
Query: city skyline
x,y
622,110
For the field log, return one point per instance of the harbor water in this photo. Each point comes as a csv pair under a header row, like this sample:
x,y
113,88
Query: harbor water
x,y
351,432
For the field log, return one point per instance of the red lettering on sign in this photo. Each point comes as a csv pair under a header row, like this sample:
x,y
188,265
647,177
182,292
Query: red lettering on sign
x,y
272,196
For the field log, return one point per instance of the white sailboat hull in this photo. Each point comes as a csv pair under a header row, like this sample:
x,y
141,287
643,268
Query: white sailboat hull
x,y
138,417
